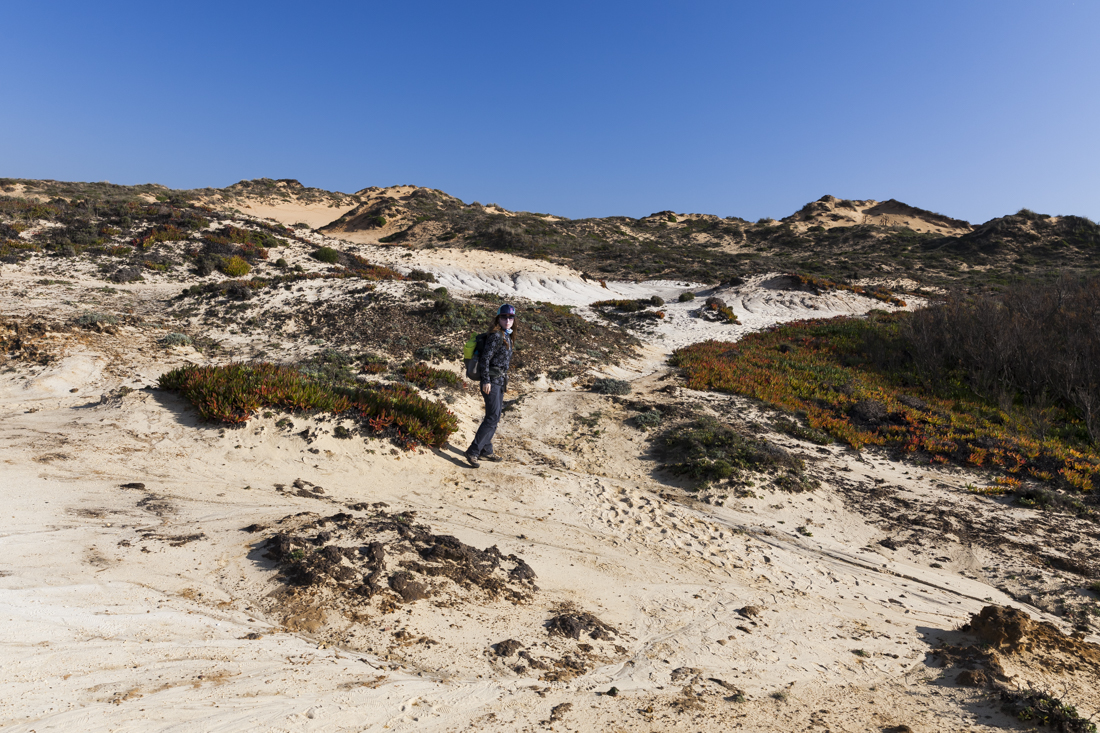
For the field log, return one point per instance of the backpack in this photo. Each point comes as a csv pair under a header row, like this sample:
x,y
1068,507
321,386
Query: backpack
x,y
471,352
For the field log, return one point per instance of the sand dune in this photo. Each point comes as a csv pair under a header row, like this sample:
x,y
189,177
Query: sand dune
x,y
134,600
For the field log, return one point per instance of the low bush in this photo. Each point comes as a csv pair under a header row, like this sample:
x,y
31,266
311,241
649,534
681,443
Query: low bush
x,y
435,352
686,296
609,385
161,233
234,392
421,276
626,306
649,419
325,254
176,339
798,430
235,266
1036,707
95,318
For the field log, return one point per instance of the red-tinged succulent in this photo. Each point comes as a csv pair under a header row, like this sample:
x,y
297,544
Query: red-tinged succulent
x,y
232,393
845,377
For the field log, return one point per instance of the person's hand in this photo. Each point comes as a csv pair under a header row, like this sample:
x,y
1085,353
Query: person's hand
x,y
486,388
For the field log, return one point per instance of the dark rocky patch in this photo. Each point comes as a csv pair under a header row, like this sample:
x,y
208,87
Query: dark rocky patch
x,y
574,623
391,556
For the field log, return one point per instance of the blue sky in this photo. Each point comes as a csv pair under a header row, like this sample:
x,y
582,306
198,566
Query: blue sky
x,y
969,108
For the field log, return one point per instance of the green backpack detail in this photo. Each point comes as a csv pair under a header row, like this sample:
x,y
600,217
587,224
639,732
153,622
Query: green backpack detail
x,y
471,352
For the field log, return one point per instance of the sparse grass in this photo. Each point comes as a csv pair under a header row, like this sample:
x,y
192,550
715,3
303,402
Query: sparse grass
x,y
233,393
94,318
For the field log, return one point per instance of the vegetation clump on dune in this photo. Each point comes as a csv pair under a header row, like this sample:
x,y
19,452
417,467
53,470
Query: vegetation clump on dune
x,y
709,451
232,393
885,381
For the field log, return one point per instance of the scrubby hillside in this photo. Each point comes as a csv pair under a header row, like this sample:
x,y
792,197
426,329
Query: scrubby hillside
x,y
848,241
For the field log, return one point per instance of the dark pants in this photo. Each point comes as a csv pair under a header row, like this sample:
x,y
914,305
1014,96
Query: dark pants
x,y
483,440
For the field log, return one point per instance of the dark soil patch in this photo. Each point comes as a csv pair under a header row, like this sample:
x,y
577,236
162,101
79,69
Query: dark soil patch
x,y
390,557
575,623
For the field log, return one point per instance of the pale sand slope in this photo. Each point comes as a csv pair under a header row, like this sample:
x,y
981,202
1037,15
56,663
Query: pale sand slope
x,y
118,616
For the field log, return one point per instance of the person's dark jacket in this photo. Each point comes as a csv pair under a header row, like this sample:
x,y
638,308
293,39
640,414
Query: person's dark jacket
x,y
494,359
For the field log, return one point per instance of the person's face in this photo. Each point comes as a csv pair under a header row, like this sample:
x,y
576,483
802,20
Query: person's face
x,y
506,321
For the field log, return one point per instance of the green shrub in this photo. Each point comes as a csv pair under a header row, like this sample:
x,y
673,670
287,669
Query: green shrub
x,y
281,263
649,420
707,450
609,385
433,352
176,339
235,266
626,306
657,300
421,276
326,254
686,296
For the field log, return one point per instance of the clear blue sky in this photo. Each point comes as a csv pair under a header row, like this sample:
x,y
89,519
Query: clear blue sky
x,y
970,108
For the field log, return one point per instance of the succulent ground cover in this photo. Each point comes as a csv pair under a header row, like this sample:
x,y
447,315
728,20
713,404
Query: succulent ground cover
x,y
234,392
849,378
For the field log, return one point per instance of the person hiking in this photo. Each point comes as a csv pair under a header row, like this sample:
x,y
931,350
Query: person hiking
x,y
492,365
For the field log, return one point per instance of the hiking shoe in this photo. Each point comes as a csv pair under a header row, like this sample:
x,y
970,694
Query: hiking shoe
x,y
491,457
472,460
